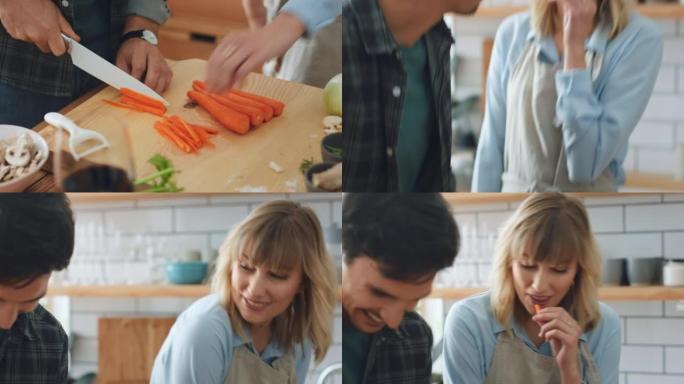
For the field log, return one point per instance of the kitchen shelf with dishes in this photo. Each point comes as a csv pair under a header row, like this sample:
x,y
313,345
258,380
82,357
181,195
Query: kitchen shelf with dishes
x,y
618,293
653,11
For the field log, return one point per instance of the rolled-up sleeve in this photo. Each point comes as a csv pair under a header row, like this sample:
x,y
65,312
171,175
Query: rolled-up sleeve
x,y
155,10
597,123
315,14
489,161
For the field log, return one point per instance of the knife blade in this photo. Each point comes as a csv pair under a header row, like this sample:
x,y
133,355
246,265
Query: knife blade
x,y
105,71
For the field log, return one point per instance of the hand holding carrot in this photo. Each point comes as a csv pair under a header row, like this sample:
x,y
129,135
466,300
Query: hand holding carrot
x,y
562,332
241,53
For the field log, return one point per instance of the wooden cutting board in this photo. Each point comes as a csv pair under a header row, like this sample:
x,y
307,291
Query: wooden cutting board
x,y
239,163
127,348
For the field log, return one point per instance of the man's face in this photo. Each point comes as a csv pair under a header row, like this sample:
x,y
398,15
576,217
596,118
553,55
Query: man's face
x,y
463,7
20,298
372,301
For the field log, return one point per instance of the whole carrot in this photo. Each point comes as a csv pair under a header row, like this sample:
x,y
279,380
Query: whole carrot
x,y
277,106
229,118
256,116
266,109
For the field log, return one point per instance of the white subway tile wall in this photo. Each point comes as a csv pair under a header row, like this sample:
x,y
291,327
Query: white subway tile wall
x,y
178,224
628,226
654,146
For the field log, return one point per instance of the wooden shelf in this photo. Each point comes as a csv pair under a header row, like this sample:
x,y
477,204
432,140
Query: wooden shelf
x,y
653,182
130,291
460,198
638,293
653,11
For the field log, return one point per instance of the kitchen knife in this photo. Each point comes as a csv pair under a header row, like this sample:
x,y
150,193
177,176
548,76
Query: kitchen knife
x,y
105,71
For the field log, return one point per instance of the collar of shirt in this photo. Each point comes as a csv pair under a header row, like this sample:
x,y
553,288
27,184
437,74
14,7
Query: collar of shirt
x,y
597,42
270,353
519,332
376,37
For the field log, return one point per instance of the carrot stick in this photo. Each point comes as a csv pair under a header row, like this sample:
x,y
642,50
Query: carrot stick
x,y
256,116
229,118
184,127
167,133
138,108
537,308
130,101
203,135
177,131
208,130
143,99
277,106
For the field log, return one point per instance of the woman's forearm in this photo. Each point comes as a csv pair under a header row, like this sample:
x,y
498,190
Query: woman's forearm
x,y
255,12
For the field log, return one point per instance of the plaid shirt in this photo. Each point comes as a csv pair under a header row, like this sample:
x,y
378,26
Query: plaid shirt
x,y
403,356
35,350
24,66
373,90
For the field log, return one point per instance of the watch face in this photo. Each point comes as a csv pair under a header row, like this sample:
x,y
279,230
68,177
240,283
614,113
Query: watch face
x,y
150,37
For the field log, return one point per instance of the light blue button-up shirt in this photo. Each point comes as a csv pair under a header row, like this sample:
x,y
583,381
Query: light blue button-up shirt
x,y
470,333
597,118
200,345
315,14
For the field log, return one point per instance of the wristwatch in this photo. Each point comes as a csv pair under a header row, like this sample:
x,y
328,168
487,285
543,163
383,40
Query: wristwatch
x,y
144,34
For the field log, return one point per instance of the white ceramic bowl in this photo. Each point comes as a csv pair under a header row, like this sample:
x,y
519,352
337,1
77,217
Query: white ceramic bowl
x,y
20,183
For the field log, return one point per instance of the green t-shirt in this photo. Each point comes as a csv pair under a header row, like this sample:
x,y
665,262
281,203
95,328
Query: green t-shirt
x,y
354,353
417,116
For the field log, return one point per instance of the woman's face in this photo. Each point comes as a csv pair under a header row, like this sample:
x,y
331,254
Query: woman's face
x,y
261,294
542,283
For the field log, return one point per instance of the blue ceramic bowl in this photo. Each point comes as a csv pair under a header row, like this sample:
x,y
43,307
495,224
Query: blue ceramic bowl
x,y
192,272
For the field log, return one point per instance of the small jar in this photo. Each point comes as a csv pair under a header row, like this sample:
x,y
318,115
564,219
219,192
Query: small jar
x,y
673,273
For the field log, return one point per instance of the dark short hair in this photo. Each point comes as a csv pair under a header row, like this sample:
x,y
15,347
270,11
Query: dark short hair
x,y
36,235
409,235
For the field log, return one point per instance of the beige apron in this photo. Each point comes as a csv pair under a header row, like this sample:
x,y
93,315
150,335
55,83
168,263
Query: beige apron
x,y
311,60
248,368
534,153
515,363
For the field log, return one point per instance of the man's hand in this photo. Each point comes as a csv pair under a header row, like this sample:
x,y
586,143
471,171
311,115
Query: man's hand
x,y
240,53
143,60
37,21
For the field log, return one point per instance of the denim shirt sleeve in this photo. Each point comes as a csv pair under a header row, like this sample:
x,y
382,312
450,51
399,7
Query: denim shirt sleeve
x,y
155,10
597,125
302,361
315,14
489,158
463,349
605,345
195,352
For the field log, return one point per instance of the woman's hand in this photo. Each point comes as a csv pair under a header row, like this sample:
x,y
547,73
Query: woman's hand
x,y
578,24
240,53
563,333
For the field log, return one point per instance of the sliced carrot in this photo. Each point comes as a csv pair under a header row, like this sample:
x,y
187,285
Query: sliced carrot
x,y
167,133
208,130
278,106
130,101
256,116
229,118
204,136
143,99
181,134
187,128
537,308
138,108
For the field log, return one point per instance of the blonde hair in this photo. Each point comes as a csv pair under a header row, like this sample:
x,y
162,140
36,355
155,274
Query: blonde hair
x,y
612,14
548,227
281,235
